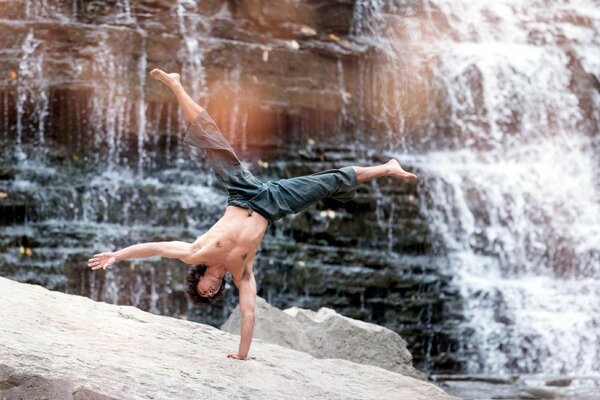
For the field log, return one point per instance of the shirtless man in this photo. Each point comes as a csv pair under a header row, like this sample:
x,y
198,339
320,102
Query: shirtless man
x,y
231,244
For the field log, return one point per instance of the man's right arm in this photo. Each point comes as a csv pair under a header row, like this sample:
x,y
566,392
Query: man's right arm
x,y
182,250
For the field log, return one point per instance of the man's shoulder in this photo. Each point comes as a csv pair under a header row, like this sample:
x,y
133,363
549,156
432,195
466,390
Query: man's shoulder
x,y
242,277
200,242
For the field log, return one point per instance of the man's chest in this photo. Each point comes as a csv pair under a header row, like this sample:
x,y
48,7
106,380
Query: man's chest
x,y
238,261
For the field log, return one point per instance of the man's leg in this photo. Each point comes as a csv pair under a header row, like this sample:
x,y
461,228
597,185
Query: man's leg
x,y
292,195
391,168
191,109
204,134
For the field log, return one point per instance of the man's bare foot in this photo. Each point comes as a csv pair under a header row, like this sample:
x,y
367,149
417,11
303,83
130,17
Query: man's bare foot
x,y
397,171
167,79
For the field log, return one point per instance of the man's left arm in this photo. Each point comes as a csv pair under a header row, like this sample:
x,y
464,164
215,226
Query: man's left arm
x,y
247,290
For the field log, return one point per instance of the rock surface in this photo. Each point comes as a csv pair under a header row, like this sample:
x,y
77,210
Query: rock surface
x,y
69,347
327,334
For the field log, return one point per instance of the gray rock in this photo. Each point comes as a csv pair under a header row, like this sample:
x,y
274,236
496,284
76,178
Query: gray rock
x,y
327,334
61,346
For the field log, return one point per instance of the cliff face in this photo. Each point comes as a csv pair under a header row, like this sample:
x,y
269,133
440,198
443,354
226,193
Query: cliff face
x,y
70,347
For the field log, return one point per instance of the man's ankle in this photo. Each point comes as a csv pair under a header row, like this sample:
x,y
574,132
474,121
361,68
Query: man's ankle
x,y
176,87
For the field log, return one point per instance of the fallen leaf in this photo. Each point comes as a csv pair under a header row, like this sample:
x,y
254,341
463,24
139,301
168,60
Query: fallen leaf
x,y
307,30
13,74
334,37
263,164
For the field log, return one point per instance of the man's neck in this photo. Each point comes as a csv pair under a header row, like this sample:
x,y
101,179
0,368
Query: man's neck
x,y
217,271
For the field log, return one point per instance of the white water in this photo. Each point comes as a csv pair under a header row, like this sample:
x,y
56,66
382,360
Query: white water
x,y
193,27
523,239
512,195
110,104
32,94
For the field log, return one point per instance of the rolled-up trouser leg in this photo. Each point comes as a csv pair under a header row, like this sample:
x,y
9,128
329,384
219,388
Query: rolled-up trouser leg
x,y
290,196
273,199
204,134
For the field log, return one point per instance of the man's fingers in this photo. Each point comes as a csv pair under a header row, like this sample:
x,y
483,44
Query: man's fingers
x,y
237,357
97,261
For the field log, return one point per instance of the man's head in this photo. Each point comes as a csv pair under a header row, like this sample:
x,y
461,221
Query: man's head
x,y
203,289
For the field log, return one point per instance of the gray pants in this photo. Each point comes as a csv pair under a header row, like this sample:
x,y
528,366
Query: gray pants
x,y
272,199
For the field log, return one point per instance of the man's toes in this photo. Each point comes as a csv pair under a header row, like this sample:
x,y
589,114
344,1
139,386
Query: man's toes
x,y
158,74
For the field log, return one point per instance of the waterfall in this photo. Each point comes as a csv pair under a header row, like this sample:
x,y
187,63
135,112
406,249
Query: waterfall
x,y
93,182
193,28
110,104
495,106
141,103
508,164
32,96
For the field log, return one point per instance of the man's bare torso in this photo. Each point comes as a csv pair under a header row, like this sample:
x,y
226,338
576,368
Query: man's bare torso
x,y
232,242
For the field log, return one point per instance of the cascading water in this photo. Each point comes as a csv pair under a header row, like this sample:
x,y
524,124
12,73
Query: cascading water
x,y
111,104
511,188
111,191
31,94
193,28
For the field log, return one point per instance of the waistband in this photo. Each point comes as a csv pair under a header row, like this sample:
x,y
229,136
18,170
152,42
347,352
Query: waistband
x,y
248,206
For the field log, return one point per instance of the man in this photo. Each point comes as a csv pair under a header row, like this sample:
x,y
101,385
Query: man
x,y
231,244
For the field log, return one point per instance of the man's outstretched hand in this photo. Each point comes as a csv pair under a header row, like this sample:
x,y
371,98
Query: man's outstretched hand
x,y
102,260
238,357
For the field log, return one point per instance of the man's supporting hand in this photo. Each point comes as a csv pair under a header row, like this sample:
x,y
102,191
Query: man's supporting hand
x,y
247,289
102,260
237,356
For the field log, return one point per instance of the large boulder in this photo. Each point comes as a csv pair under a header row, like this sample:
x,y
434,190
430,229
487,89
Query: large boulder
x,y
61,346
327,334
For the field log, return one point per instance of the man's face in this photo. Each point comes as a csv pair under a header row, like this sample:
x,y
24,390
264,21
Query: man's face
x,y
208,286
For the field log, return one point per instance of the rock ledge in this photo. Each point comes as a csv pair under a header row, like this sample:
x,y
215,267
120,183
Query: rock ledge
x,y
327,334
61,346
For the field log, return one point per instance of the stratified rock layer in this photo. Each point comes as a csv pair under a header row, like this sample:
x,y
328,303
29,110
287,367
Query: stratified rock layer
x,y
327,334
70,347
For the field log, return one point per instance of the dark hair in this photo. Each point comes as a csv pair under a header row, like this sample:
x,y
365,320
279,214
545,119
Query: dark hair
x,y
194,273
